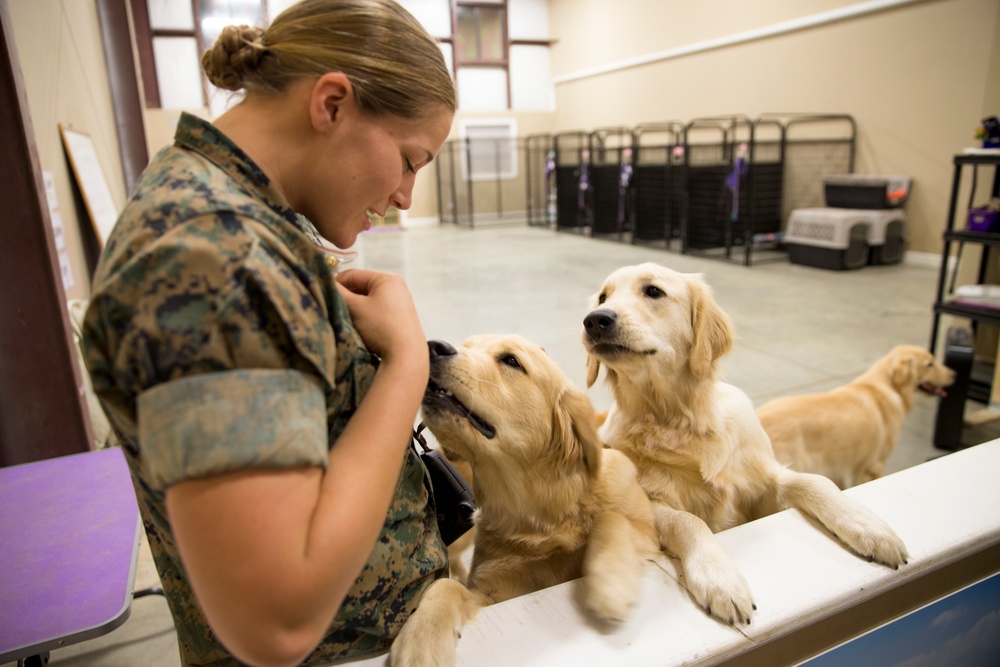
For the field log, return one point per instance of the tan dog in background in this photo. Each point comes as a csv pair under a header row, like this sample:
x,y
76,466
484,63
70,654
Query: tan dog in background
x,y
848,433
703,457
554,504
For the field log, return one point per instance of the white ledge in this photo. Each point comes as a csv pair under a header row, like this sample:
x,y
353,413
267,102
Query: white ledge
x,y
945,511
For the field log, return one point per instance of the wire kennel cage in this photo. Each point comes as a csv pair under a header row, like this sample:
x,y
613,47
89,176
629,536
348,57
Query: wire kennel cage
x,y
658,183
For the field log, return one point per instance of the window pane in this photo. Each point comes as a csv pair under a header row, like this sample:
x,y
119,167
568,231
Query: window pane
x,y
491,34
531,86
492,150
482,89
217,14
467,34
178,72
275,7
434,15
170,15
528,19
479,34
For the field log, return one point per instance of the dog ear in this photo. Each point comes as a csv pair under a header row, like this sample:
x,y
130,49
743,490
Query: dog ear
x,y
713,330
593,368
903,371
574,428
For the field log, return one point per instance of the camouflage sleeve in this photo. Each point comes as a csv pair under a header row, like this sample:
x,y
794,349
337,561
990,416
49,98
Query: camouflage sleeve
x,y
223,422
221,343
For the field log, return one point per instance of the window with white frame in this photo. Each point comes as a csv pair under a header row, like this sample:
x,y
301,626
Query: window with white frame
x,y
491,149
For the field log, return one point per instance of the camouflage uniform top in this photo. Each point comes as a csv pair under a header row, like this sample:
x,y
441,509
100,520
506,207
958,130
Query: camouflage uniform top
x,y
217,341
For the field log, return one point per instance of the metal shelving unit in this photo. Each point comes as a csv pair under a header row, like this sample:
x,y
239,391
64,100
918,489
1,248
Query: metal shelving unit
x,y
980,385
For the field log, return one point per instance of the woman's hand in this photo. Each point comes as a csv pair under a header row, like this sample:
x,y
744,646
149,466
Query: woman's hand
x,y
383,312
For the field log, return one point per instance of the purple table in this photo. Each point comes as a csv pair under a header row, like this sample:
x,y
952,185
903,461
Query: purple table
x,y
69,540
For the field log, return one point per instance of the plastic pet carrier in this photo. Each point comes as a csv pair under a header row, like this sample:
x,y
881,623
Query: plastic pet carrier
x,y
886,235
827,238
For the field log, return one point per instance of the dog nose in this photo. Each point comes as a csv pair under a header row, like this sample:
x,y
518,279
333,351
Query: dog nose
x,y
600,322
439,349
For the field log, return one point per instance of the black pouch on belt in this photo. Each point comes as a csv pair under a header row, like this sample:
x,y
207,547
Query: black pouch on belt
x,y
453,497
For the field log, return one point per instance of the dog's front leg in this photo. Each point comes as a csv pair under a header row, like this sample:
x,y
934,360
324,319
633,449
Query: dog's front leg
x,y
854,524
612,568
429,636
711,578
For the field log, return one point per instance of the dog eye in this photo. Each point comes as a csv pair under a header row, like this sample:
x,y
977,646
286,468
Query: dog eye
x,y
511,360
601,299
653,292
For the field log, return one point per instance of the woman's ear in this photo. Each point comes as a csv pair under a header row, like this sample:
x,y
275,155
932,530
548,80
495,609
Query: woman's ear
x,y
328,100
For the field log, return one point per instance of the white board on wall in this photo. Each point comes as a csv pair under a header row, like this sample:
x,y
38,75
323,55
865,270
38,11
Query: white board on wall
x,y
90,178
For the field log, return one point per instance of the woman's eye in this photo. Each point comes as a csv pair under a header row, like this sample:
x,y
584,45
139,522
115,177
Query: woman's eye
x,y
653,292
511,360
602,298
409,165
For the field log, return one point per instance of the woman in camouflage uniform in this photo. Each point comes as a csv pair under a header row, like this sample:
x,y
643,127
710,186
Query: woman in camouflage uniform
x,y
287,514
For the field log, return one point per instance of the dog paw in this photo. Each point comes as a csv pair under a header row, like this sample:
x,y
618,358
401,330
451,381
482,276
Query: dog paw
x,y
611,599
430,634
885,548
419,645
719,588
871,538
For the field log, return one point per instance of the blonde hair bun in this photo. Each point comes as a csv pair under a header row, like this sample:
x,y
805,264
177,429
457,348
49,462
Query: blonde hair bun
x,y
236,53
394,65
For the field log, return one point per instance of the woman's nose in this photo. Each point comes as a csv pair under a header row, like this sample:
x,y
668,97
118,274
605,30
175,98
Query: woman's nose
x,y
400,201
402,197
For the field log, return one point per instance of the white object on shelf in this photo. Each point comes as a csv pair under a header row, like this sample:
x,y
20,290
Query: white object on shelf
x,y
987,296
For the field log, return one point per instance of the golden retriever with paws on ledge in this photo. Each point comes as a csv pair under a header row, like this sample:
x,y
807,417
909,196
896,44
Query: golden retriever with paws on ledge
x,y
554,504
703,457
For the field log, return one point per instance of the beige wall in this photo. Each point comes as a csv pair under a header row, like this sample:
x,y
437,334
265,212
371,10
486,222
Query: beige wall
x,y
917,78
161,124
62,60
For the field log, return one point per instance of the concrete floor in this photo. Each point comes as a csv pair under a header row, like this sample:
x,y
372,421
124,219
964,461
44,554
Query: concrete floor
x,y
800,330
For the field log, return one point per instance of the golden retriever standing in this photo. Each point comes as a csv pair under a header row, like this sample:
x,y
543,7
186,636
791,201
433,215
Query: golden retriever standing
x,y
848,433
703,457
554,505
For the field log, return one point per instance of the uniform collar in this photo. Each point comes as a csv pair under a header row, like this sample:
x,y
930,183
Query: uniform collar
x,y
199,135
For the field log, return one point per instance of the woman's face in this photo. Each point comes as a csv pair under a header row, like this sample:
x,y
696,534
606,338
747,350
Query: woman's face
x,y
371,166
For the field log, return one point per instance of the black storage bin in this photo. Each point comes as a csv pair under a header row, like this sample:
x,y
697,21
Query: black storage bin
x,y
867,192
